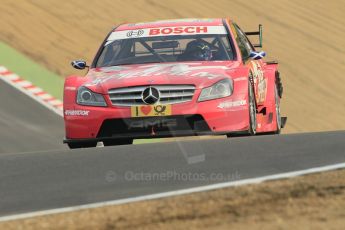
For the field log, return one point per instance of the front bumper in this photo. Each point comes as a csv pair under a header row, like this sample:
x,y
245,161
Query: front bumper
x,y
192,118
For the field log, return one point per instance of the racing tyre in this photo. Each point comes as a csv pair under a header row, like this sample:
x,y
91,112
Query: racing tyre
x,y
118,142
252,110
252,115
278,114
82,145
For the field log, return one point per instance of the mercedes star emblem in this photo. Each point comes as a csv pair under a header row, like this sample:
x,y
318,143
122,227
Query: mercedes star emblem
x,y
150,95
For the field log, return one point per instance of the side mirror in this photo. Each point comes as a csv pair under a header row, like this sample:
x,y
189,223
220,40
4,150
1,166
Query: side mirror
x,y
79,64
254,55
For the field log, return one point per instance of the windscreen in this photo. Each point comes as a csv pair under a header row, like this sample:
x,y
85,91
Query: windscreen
x,y
169,44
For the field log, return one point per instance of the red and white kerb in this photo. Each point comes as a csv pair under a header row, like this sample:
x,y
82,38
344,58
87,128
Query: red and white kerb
x,y
31,90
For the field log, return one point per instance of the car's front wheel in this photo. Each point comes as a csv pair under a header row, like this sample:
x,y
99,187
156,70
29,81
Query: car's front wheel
x,y
252,110
79,145
117,142
252,114
277,108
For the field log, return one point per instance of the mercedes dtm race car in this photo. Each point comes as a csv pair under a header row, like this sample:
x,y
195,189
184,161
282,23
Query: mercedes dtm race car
x,y
173,78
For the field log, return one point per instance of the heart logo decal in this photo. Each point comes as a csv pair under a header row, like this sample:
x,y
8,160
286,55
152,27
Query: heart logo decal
x,y
146,109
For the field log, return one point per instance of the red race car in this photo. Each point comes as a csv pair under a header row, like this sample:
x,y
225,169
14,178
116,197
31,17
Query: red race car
x,y
173,78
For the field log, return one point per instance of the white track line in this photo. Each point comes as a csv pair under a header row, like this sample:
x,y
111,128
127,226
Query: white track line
x,y
175,193
31,90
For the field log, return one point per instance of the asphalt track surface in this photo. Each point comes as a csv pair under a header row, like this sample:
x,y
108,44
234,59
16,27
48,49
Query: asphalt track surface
x,y
26,125
37,172
61,178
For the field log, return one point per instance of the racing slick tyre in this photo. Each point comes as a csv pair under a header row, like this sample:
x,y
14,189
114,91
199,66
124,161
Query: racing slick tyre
x,y
252,110
252,114
118,142
277,107
82,145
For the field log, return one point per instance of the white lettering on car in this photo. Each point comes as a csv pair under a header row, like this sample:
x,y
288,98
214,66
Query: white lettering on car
x,y
230,104
71,88
77,112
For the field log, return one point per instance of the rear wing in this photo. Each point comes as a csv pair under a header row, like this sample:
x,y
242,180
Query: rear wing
x,y
256,33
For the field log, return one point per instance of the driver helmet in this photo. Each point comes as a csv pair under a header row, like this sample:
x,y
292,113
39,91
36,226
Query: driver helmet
x,y
199,51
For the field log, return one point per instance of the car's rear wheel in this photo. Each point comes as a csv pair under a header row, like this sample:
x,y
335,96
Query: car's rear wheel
x,y
117,142
79,145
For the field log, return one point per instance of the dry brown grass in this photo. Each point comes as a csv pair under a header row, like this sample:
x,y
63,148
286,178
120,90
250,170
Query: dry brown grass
x,y
305,36
309,202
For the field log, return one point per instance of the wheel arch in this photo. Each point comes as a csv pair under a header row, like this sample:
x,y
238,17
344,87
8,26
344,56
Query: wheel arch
x,y
271,75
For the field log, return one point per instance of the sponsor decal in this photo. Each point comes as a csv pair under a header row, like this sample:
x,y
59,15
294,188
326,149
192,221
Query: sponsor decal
x,y
159,123
260,81
258,73
77,112
150,110
231,104
262,90
165,31
135,33
178,30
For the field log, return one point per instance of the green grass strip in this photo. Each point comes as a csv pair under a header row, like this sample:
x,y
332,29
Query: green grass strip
x,y
31,71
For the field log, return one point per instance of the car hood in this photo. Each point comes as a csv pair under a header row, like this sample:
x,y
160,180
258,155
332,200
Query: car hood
x,y
200,74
